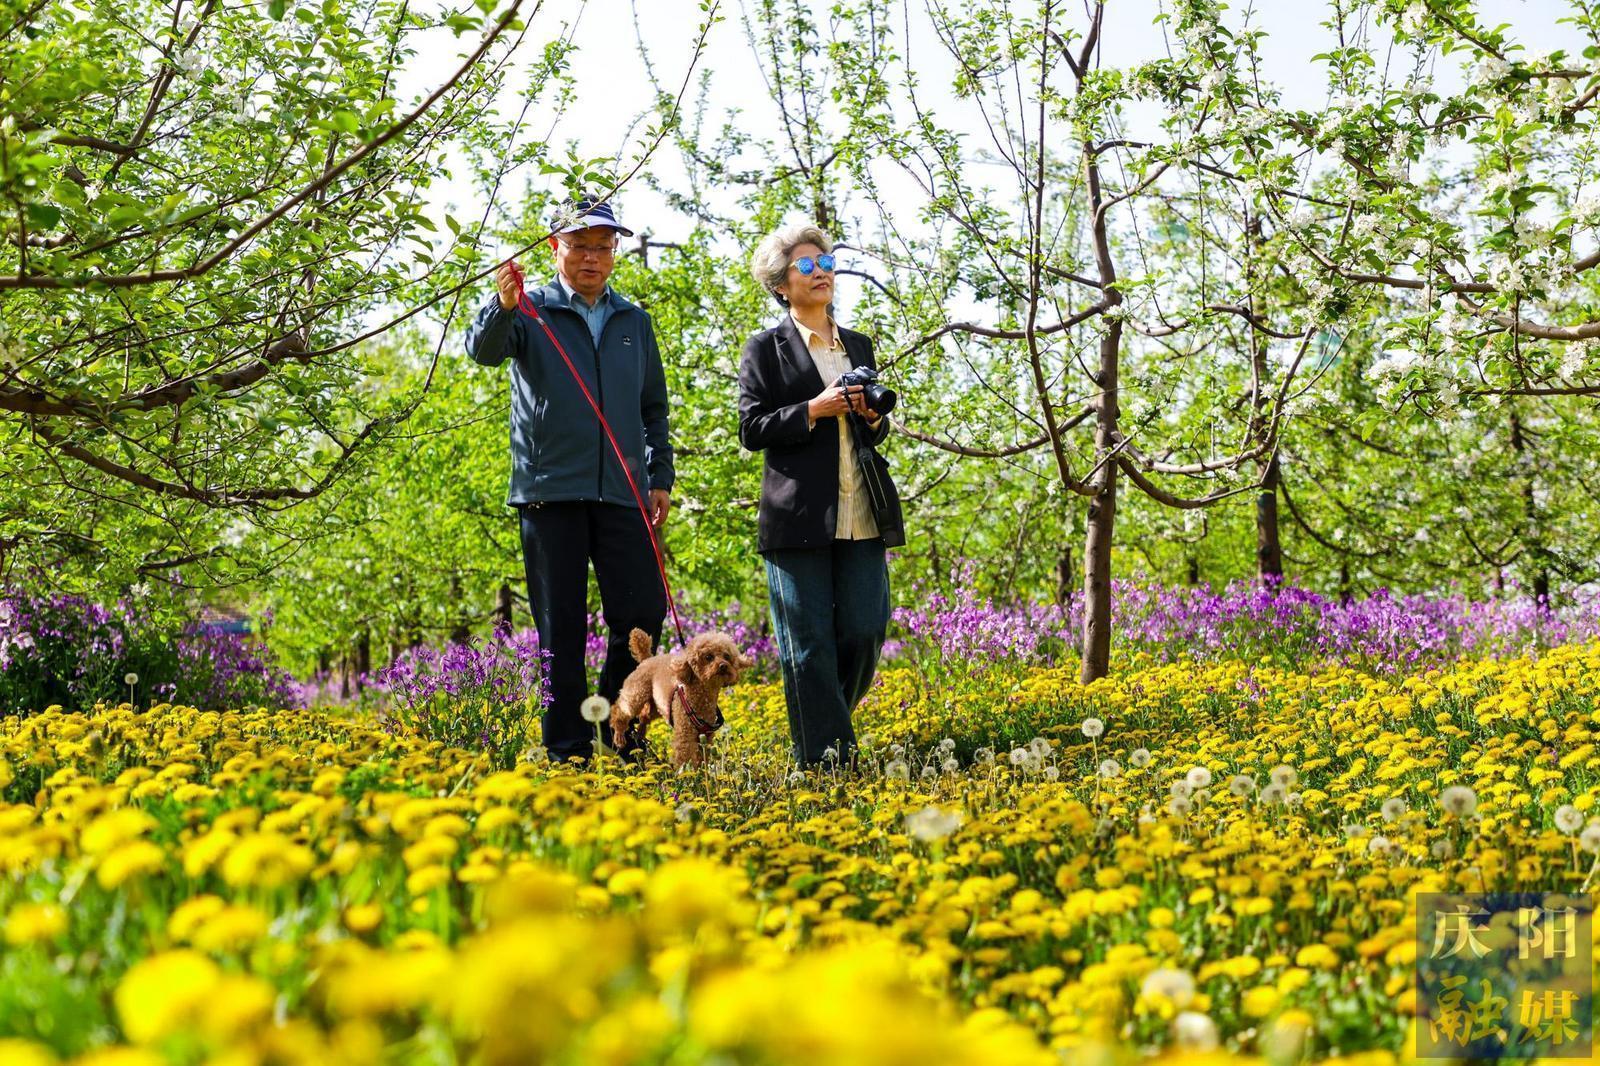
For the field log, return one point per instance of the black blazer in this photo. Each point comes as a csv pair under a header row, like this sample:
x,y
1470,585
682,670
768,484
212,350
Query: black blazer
x,y
800,483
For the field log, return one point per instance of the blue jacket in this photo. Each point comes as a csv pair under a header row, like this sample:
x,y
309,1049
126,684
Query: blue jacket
x,y
558,450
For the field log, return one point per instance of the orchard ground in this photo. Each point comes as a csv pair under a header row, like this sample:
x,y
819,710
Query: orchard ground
x,y
1211,853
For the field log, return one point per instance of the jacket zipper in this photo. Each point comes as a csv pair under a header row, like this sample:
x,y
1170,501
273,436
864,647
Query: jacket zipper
x,y
599,398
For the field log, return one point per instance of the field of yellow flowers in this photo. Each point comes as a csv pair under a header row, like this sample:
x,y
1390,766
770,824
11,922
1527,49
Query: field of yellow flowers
x,y
1189,858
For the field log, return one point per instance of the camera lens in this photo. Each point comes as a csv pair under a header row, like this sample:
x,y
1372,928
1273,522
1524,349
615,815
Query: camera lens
x,y
880,398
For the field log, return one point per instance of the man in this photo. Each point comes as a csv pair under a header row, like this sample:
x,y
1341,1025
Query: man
x,y
575,503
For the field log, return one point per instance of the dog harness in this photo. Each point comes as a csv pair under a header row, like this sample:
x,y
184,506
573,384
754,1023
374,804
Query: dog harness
x,y
701,726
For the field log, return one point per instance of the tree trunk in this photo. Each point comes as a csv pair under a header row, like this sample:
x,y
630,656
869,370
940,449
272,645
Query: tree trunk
x,y
1194,570
1064,577
363,663
502,609
1269,544
1102,517
1097,580
461,632
1532,541
1345,596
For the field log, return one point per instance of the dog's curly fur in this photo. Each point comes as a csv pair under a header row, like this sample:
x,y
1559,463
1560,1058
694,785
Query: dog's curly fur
x,y
707,665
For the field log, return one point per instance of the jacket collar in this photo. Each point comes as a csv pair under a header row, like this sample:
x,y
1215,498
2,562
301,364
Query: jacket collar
x,y
806,332
792,346
555,295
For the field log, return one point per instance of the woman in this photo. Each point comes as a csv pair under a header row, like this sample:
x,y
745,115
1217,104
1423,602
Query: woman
x,y
827,575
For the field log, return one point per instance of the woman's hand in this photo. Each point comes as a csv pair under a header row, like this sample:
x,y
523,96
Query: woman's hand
x,y
858,404
834,401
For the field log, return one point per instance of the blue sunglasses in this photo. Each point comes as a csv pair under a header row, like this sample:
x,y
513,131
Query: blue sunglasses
x,y
805,264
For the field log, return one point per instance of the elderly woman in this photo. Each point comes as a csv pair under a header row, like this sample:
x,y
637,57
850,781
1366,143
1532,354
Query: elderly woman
x,y
827,574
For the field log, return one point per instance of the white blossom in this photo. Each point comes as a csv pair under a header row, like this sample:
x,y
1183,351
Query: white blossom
x,y
1490,69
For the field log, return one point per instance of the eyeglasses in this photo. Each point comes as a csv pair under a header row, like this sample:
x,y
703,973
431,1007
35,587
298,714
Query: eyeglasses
x,y
805,264
599,251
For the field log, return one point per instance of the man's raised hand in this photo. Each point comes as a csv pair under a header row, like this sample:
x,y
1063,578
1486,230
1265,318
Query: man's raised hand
x,y
505,280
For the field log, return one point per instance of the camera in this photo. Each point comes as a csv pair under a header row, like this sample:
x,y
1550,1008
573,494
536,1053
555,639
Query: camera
x,y
879,398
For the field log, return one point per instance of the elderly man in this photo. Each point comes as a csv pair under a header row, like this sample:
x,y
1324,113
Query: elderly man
x,y
573,495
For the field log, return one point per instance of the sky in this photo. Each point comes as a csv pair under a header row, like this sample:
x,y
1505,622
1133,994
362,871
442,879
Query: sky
x,y
613,89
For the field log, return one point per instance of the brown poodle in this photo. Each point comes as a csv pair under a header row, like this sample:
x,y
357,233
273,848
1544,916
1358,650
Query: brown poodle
x,y
683,688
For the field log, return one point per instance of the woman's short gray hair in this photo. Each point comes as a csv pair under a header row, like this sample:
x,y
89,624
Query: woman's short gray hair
x,y
770,263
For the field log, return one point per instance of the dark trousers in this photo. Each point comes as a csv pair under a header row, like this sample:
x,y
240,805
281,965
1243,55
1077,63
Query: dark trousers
x,y
559,540
830,612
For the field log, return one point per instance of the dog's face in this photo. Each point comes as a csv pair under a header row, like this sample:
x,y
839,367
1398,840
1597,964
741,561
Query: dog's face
x,y
713,659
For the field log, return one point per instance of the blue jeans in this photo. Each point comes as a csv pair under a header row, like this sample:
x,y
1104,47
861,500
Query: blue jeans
x,y
830,612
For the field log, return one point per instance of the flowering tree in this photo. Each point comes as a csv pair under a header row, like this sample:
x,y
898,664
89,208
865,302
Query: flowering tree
x,y
1472,207
211,208
1147,329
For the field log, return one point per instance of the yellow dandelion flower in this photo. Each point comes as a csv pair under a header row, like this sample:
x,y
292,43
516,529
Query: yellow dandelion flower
x,y
363,917
231,929
163,993
628,882
133,859
190,913
16,1052
31,922
266,860
425,880
114,828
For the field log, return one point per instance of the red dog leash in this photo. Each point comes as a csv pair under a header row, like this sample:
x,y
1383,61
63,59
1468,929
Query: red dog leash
x,y
526,306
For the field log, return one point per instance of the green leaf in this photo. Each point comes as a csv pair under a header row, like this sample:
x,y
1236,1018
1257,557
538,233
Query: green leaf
x,y
277,8
43,216
346,121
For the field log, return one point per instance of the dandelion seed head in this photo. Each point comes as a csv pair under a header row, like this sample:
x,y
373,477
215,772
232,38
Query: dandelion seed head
x,y
1459,800
1173,985
1193,1031
932,824
1589,839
